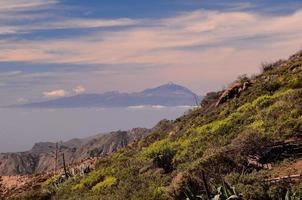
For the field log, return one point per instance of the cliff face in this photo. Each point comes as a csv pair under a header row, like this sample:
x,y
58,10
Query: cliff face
x,y
17,163
42,157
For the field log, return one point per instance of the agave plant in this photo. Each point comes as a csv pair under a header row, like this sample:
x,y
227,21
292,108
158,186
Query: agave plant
x,y
291,196
226,193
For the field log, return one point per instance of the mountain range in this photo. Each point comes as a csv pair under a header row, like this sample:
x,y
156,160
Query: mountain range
x,y
164,95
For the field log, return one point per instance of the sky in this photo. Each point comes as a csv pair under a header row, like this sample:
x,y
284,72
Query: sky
x,y
57,48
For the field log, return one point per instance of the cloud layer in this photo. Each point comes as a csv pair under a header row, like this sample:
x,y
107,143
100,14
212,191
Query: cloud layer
x,y
182,39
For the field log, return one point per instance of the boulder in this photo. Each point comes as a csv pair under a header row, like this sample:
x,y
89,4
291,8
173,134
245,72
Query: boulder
x,y
232,91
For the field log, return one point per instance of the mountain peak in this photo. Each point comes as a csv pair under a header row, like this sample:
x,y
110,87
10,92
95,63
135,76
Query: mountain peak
x,y
169,88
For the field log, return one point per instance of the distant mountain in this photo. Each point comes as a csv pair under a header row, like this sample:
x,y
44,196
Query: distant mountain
x,y
41,157
164,95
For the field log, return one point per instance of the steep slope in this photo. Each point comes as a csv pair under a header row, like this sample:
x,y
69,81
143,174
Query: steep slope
x,y
41,157
241,137
165,95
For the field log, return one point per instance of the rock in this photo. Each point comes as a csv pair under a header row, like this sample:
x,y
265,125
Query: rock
x,y
232,91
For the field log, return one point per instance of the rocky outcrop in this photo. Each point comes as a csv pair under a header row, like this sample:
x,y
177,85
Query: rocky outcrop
x,y
233,90
17,163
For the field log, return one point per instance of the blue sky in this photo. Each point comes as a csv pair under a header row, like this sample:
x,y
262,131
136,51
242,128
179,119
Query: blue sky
x,y
53,48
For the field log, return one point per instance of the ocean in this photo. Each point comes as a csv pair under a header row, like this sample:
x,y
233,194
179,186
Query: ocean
x,y
21,128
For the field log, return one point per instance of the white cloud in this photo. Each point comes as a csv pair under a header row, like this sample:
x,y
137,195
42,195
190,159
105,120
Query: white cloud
x,y
79,89
55,93
15,5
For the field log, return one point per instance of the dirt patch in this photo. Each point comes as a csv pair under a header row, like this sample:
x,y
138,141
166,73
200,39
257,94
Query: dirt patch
x,y
288,169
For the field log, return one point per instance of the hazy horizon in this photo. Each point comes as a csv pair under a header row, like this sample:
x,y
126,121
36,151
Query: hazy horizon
x,y
22,128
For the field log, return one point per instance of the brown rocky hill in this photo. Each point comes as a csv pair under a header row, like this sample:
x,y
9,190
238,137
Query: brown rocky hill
x,y
42,156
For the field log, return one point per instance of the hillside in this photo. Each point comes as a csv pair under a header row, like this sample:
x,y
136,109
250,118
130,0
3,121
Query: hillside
x,y
164,95
41,158
240,142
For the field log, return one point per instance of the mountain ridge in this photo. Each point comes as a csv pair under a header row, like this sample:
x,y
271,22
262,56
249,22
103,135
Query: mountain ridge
x,y
165,95
41,157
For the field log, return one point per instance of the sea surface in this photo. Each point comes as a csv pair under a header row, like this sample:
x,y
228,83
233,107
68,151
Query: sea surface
x,y
21,128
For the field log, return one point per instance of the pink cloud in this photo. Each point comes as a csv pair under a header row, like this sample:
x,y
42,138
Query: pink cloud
x,y
162,44
55,93
79,89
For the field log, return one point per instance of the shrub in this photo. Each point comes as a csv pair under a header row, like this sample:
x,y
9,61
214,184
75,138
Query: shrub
x,y
90,180
36,195
158,192
107,183
295,82
251,185
297,190
272,86
251,143
290,127
266,66
51,183
161,153
218,161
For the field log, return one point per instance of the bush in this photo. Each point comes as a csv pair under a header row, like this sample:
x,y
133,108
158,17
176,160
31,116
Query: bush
x,y
161,153
272,86
36,195
90,180
288,128
251,143
51,183
295,82
218,161
251,185
266,66
107,183
297,190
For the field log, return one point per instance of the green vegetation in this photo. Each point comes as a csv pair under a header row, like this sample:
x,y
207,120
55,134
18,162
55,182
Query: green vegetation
x,y
51,183
210,149
108,182
90,180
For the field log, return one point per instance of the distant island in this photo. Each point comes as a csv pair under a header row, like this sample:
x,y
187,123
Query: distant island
x,y
165,95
